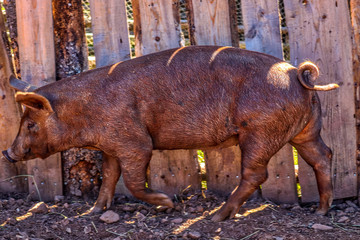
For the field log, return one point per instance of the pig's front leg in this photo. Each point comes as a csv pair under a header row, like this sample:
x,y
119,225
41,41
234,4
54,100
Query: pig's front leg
x,y
111,174
133,168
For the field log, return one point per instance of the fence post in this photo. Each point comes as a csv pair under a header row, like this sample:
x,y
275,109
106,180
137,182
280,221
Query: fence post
x,y
157,27
9,116
262,34
37,60
355,20
320,31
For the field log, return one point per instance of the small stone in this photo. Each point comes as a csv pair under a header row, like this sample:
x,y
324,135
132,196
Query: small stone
x,y
199,209
139,216
59,198
177,220
164,220
87,229
68,230
278,238
66,205
110,217
350,210
40,207
178,208
192,210
285,206
351,204
20,202
218,230
12,201
128,208
343,219
321,227
144,211
194,235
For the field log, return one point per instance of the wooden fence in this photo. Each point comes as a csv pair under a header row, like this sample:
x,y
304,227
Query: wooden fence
x,y
319,30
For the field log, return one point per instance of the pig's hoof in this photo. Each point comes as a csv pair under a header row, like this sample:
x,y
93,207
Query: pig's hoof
x,y
162,200
321,212
225,212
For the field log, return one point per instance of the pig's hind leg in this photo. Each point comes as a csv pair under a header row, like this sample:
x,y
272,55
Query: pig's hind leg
x,y
111,174
255,157
313,150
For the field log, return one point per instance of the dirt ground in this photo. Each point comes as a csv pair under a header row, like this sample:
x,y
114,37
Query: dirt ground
x,y
258,219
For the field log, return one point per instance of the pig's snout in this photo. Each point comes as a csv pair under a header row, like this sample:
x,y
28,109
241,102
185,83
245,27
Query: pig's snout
x,y
7,156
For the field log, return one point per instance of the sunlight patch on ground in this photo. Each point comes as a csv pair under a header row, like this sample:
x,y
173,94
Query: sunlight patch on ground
x,y
190,222
251,211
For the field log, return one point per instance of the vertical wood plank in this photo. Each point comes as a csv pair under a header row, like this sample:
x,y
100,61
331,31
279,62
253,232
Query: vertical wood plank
x,y
210,22
9,116
174,171
262,34
159,24
355,21
223,168
110,29
156,25
320,31
37,60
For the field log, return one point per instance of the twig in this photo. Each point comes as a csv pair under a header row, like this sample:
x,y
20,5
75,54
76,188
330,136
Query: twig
x,y
32,176
94,226
249,236
117,234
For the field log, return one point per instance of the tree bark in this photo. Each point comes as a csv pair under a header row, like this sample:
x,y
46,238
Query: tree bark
x,y
81,167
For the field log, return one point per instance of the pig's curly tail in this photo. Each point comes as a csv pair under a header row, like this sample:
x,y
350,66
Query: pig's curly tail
x,y
308,72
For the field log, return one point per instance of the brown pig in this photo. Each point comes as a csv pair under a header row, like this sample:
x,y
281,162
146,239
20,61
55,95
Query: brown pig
x,y
187,98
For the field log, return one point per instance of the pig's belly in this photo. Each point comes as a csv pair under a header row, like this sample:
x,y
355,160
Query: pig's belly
x,y
195,142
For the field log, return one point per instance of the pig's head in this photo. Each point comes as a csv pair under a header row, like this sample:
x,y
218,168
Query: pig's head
x,y
32,140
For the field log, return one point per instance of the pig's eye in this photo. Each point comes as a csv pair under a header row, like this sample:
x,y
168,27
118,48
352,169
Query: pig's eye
x,y
30,125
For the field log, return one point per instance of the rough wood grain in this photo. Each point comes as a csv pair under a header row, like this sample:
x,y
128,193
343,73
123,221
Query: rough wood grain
x,y
210,23
110,29
174,171
320,31
9,116
223,168
355,20
37,60
262,34
159,24
262,26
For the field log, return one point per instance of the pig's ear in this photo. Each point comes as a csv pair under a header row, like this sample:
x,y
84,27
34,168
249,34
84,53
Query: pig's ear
x,y
34,101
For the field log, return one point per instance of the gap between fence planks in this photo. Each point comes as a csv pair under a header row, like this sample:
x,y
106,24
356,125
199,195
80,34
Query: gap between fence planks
x,y
37,60
262,34
110,31
320,31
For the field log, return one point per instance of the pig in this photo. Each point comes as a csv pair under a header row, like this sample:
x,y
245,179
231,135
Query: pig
x,y
195,97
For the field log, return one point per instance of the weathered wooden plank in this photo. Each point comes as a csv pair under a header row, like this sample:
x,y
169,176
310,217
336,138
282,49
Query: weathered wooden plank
x,y
355,20
223,169
9,116
174,171
262,26
320,31
262,34
110,29
37,60
210,22
156,25
159,25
